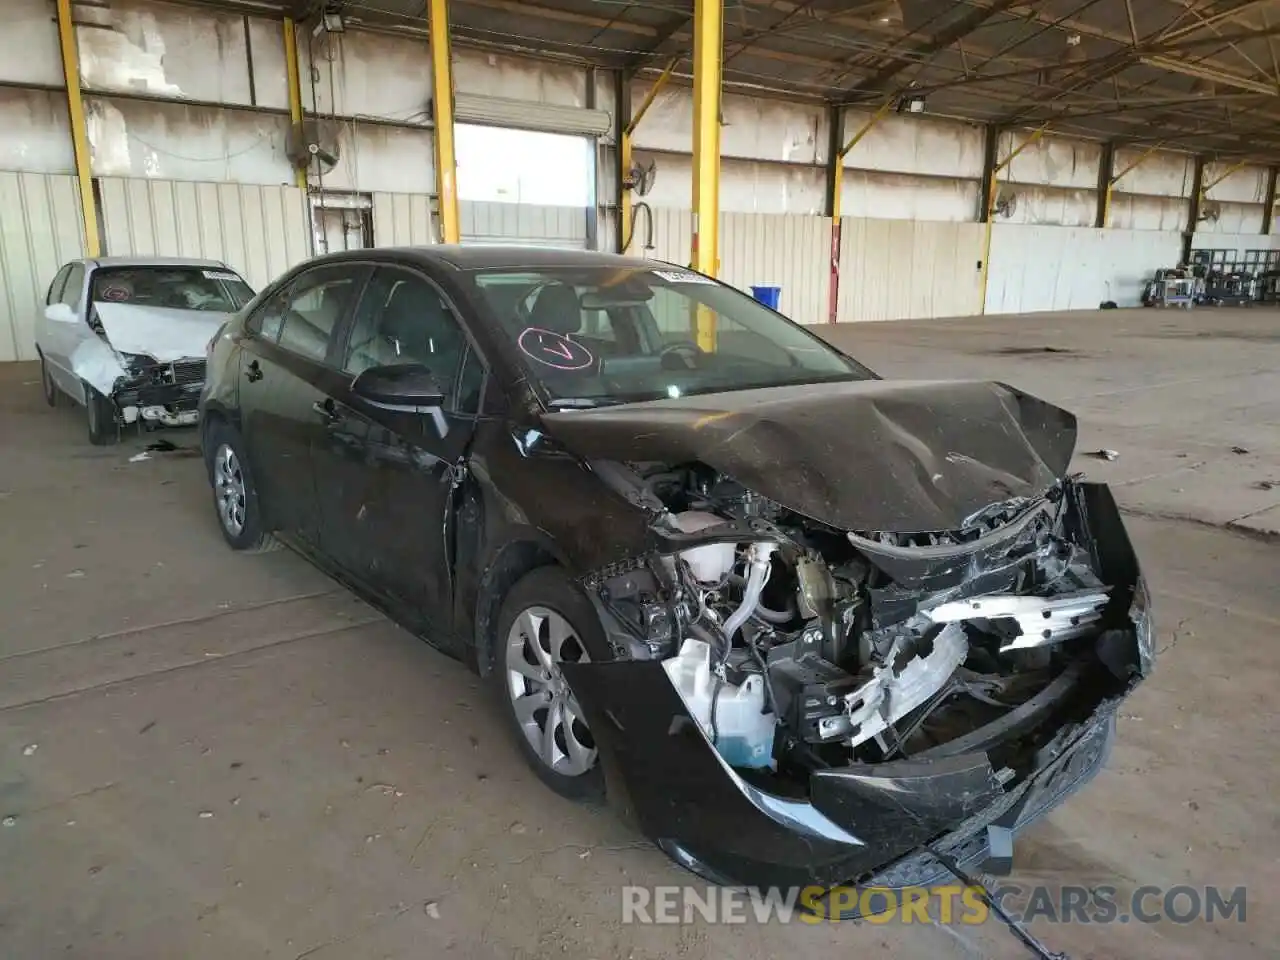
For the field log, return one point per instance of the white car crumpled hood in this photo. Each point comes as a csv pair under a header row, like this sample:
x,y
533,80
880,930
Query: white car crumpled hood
x,y
163,333
160,332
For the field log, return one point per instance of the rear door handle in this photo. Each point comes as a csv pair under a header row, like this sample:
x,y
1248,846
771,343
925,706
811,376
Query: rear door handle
x,y
328,413
254,372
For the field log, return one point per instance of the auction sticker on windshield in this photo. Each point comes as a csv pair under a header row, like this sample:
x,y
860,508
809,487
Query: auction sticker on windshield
x,y
681,276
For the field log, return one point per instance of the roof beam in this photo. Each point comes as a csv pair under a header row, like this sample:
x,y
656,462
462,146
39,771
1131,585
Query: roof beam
x,y
944,38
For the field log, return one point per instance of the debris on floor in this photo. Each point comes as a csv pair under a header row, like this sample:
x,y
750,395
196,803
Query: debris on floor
x,y
1103,454
29,749
1239,451
168,446
1267,484
139,457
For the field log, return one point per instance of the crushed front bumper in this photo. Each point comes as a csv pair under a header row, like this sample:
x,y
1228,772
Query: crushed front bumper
x,y
166,393
862,825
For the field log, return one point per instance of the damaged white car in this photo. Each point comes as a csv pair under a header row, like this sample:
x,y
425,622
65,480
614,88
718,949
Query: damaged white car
x,y
126,337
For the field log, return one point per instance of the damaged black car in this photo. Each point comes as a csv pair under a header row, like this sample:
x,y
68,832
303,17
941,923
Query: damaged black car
x,y
805,625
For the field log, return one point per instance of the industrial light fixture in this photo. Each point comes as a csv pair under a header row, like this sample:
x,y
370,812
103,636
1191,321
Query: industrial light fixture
x,y
1074,53
912,104
890,12
331,18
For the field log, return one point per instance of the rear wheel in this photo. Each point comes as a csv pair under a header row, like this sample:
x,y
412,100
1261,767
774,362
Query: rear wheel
x,y
235,498
46,380
104,428
545,622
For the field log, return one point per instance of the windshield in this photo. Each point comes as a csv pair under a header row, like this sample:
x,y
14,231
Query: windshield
x,y
181,288
598,335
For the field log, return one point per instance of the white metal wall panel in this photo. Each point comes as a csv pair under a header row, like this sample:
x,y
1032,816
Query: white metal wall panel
x,y
40,229
523,223
1073,268
259,231
790,251
1240,242
402,220
899,269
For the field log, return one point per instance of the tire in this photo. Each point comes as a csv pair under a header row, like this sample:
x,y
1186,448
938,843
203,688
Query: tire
x,y
100,411
235,498
545,599
46,381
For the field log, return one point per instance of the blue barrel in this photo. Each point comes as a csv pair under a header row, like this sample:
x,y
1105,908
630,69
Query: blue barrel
x,y
769,296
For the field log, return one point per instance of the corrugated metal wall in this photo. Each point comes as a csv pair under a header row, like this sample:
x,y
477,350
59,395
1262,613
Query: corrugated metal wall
x,y
1073,268
523,223
402,220
756,249
260,231
895,269
1240,242
40,229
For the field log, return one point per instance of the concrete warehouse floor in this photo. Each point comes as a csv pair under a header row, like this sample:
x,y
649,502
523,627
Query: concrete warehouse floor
x,y
211,755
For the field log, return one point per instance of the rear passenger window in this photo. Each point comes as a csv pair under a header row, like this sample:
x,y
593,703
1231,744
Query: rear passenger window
x,y
74,287
303,317
55,289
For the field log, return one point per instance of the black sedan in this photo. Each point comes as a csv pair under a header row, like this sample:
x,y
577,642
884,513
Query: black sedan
x,y
806,625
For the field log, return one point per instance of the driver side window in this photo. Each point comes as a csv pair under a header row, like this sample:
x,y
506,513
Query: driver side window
x,y
401,319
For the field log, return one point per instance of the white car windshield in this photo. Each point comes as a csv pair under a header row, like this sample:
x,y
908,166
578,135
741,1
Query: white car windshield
x,y
177,287
599,335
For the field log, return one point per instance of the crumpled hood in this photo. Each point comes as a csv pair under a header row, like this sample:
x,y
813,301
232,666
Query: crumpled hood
x,y
871,455
163,333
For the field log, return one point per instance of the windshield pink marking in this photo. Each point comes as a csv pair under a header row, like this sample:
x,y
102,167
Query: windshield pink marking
x,y
554,349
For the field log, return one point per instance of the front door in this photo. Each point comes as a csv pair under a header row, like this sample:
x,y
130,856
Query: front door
x,y
386,479
287,370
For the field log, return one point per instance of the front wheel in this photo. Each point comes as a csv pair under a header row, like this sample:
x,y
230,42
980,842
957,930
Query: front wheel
x,y
46,381
235,498
545,622
101,412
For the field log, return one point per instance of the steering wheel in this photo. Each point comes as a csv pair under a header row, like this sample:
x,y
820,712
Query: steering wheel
x,y
687,350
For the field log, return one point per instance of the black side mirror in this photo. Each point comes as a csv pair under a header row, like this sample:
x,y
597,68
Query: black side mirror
x,y
405,388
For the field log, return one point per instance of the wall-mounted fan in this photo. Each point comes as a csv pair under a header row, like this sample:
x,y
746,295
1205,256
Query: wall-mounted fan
x,y
640,178
1006,204
313,145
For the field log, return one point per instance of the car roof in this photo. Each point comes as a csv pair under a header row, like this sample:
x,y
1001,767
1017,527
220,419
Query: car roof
x,y
152,262
484,256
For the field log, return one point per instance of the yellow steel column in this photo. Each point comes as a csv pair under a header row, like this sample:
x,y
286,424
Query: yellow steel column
x,y
79,139
442,100
992,188
1115,178
708,54
295,88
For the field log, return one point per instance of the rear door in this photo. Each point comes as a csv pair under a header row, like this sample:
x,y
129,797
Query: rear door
x,y
60,339
385,479
287,371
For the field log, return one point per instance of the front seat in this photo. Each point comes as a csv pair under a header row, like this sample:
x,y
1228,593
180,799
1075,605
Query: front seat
x,y
557,309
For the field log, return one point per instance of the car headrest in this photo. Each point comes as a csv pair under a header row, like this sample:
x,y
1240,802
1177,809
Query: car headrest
x,y
557,309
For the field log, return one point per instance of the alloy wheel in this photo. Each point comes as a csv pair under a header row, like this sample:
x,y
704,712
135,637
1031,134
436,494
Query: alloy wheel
x,y
539,641
228,480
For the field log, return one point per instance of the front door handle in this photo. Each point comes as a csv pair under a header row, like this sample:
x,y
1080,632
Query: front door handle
x,y
254,372
328,413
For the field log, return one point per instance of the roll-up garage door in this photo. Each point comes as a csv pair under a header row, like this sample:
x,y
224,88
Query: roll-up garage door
x,y
528,115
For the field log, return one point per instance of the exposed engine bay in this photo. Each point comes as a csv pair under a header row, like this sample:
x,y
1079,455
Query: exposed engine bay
x,y
798,647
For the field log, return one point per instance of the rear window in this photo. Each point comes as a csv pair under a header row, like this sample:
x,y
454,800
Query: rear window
x,y
217,290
